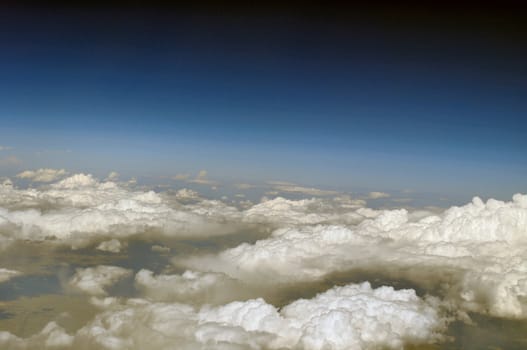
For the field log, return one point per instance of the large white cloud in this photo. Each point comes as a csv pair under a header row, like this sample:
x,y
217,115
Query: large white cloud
x,y
80,207
42,175
353,317
484,243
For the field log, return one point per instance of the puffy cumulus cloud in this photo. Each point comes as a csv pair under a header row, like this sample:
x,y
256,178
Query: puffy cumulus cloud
x,y
111,246
185,194
94,280
352,317
6,274
281,211
42,175
483,243
80,208
378,195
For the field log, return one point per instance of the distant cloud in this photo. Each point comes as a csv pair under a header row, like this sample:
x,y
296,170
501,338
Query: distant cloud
x,y
5,148
402,200
294,188
187,194
42,175
202,179
180,177
378,195
244,186
113,176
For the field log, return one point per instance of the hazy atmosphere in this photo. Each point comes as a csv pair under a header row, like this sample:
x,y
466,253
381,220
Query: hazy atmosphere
x,y
261,175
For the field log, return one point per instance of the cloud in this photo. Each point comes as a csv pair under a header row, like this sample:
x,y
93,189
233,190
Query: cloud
x,y
111,246
352,317
202,179
244,186
42,175
5,148
471,258
84,209
480,244
293,188
187,194
6,274
281,211
191,286
94,280
181,177
112,176
378,195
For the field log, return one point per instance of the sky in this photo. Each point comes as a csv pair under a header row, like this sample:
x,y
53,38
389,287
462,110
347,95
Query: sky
x,y
389,98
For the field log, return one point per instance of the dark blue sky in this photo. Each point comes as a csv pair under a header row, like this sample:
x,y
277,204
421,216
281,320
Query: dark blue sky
x,y
389,98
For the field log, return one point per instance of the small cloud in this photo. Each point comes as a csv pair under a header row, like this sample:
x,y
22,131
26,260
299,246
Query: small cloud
x,y
280,183
202,179
180,177
402,200
378,195
292,188
42,175
187,194
160,249
111,246
244,186
5,148
113,176
6,275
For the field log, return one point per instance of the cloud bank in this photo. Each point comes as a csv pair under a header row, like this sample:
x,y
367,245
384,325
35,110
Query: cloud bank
x,y
232,290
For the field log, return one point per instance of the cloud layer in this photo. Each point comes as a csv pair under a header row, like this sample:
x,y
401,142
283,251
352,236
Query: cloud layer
x,y
245,293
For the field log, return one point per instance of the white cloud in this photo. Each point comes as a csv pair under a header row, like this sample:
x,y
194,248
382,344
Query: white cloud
x,y
352,317
42,175
187,194
482,243
111,246
6,274
378,195
281,211
5,148
191,286
160,249
79,209
289,187
112,176
94,280
202,179
181,176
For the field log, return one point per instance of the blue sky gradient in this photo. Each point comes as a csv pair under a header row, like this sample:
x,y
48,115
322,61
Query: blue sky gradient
x,y
352,103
